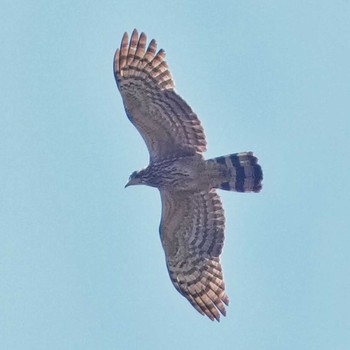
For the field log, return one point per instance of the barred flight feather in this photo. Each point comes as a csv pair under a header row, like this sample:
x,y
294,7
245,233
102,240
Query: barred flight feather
x,y
166,122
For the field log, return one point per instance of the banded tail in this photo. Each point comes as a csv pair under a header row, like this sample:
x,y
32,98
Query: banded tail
x,y
242,173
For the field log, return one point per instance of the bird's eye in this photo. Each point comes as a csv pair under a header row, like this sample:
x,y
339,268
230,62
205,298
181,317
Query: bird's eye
x,y
133,175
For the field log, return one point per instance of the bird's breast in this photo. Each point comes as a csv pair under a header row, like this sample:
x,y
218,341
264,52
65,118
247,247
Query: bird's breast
x,y
177,175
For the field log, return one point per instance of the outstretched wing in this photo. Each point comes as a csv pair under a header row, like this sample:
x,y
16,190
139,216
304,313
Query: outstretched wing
x,y
165,121
192,234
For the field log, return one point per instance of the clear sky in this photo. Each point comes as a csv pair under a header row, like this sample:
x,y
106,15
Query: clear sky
x,y
81,264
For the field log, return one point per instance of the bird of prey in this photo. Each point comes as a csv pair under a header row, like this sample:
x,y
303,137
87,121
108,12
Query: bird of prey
x,y
192,220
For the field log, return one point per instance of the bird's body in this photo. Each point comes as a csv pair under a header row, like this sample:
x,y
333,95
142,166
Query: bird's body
x,y
195,174
192,224
175,174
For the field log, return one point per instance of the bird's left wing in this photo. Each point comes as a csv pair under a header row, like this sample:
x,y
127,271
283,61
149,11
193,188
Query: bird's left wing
x,y
166,122
192,234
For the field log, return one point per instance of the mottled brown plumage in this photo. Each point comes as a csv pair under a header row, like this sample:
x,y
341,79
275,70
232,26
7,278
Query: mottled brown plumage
x,y
192,224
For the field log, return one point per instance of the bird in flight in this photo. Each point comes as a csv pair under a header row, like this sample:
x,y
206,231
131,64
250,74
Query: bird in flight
x,y
192,220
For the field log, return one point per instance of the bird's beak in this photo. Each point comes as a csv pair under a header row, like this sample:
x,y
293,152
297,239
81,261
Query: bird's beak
x,y
128,184
133,182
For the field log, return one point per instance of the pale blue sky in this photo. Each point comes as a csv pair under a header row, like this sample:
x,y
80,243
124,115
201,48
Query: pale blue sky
x,y
81,264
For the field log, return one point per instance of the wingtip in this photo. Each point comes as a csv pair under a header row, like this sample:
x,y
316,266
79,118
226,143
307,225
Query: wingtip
x,y
116,62
161,53
125,37
143,36
134,39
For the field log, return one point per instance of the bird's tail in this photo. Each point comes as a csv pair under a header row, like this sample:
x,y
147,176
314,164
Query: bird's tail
x,y
240,172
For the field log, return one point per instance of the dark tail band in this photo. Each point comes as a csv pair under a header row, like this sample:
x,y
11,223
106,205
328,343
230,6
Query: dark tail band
x,y
244,172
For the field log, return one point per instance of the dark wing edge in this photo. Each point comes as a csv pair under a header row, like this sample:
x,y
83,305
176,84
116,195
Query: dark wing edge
x,y
192,234
165,121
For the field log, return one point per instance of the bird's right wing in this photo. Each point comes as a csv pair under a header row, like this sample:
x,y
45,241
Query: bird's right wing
x,y
165,121
192,234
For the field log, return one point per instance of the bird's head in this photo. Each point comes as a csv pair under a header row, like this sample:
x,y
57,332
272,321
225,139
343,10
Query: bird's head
x,y
135,179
